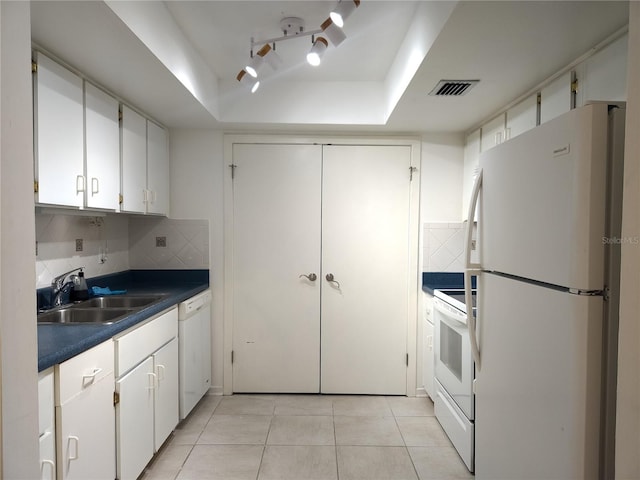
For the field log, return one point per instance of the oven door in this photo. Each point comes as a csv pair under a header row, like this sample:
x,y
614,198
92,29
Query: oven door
x,y
454,366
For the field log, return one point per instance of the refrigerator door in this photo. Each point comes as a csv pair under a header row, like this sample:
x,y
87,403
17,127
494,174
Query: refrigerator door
x,y
538,392
542,213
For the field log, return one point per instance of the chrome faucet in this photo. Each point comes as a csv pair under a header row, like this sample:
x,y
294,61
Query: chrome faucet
x,y
59,286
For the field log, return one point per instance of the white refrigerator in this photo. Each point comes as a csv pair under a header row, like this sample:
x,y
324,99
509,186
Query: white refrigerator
x,y
545,333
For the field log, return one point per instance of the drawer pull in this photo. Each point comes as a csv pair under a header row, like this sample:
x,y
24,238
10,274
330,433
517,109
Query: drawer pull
x,y
90,378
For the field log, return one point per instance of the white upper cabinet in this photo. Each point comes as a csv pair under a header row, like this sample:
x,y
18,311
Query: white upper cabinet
x,y
83,159
145,165
157,170
603,76
134,161
493,133
103,149
59,145
555,98
522,117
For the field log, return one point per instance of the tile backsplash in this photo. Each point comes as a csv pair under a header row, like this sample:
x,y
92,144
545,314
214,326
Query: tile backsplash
x,y
443,247
164,243
115,243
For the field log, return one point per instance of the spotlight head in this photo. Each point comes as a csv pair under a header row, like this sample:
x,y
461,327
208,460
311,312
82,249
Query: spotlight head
x,y
331,30
248,81
343,10
317,50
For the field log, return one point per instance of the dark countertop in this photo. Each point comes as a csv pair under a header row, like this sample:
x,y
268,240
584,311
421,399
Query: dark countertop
x,y
444,280
57,343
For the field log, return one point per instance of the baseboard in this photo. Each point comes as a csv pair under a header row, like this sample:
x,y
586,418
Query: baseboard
x,y
215,391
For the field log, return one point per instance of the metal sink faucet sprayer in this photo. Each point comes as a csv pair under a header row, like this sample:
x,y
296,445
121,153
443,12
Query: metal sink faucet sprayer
x,y
59,286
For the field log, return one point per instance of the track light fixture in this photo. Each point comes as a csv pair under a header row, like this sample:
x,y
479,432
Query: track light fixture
x,y
293,27
343,10
317,50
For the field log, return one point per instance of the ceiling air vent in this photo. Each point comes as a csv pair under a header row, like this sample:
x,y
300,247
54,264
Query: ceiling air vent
x,y
452,88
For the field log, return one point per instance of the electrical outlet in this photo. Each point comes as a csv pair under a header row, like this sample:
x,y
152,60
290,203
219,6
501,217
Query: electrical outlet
x,y
473,244
78,244
161,241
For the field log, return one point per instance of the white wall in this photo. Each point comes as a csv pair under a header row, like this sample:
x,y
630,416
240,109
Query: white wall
x,y
628,408
441,202
18,340
197,169
442,166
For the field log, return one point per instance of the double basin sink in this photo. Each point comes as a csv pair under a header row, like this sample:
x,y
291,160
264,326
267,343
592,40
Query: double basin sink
x,y
98,310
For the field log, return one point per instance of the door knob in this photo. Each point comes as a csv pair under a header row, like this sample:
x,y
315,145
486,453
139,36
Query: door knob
x,y
330,278
312,277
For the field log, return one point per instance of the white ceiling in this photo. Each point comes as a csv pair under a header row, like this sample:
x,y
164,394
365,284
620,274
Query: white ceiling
x,y
510,46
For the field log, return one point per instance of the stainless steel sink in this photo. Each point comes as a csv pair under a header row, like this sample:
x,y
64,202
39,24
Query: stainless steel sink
x,y
77,315
120,301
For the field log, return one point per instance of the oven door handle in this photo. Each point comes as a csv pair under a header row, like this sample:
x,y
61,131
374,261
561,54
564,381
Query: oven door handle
x,y
471,269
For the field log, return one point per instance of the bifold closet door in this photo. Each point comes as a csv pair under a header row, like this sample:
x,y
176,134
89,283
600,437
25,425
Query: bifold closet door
x,y
365,262
276,241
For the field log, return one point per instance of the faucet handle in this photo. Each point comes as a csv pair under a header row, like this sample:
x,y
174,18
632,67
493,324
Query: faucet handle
x,y
59,280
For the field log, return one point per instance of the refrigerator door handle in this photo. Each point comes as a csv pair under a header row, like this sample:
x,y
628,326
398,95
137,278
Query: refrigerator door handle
x,y
471,268
471,319
473,204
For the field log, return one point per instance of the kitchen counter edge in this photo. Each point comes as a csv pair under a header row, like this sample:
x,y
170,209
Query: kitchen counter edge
x,y
57,343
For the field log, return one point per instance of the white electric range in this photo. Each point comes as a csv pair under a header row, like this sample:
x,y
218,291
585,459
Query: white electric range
x,y
454,372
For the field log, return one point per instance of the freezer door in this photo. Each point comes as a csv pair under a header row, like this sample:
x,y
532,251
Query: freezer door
x,y
542,208
538,391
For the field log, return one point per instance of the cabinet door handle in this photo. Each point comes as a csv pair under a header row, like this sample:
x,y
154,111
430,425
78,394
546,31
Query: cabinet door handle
x,y
80,183
76,441
312,277
90,378
152,380
160,372
95,186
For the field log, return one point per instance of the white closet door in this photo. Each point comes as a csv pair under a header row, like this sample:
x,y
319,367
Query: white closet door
x,y
276,239
365,246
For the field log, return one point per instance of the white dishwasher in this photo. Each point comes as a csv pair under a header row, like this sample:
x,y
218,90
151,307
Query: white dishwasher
x,y
194,334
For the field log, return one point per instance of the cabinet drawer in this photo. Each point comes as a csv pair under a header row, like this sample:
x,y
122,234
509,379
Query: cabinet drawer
x,y
136,345
83,371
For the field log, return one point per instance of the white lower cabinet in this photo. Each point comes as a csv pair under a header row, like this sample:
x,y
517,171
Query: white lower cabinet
x,y
46,421
428,353
147,389
135,420
85,437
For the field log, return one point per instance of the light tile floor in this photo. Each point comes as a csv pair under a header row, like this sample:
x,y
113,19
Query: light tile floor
x,y
308,437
